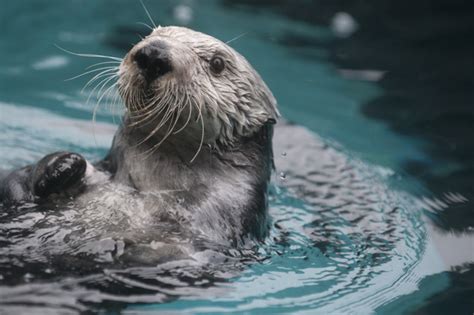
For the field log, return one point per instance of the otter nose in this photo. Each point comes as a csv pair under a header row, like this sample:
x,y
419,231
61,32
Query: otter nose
x,y
153,60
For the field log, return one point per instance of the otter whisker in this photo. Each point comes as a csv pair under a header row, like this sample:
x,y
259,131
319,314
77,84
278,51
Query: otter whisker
x,y
105,73
139,118
166,117
112,95
236,38
100,86
202,139
144,110
106,92
101,96
156,102
168,133
89,55
144,24
135,101
108,70
148,14
150,151
94,113
125,93
178,115
96,107
90,71
104,81
199,112
155,129
180,108
103,63
113,105
91,93
190,109
128,96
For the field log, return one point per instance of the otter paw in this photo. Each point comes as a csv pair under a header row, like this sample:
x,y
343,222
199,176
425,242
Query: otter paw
x,y
58,172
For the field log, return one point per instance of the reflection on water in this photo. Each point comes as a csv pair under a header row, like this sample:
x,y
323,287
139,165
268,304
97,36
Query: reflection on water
x,y
347,236
425,51
421,54
339,235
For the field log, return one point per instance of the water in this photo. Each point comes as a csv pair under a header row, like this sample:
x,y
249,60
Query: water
x,y
371,205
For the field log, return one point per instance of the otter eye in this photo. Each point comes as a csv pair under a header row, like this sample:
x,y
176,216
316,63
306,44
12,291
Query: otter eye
x,y
217,64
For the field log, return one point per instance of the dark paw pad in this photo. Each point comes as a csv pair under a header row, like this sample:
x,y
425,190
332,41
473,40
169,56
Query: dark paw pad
x,y
58,172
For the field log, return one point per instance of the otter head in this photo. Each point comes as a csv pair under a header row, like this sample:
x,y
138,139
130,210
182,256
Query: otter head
x,y
179,83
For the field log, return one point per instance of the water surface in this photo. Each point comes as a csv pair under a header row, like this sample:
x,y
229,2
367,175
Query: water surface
x,y
371,204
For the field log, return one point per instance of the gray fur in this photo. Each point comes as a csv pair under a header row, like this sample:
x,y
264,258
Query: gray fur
x,y
188,168
233,104
219,173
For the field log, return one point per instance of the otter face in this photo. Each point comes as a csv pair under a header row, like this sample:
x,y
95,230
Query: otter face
x,y
184,83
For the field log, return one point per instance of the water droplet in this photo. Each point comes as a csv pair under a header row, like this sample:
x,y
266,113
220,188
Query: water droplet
x,y
48,270
283,154
28,276
180,201
282,175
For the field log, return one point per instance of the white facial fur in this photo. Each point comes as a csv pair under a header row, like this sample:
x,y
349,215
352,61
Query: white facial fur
x,y
191,99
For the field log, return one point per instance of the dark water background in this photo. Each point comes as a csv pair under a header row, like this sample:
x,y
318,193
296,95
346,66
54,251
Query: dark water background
x,y
426,50
388,83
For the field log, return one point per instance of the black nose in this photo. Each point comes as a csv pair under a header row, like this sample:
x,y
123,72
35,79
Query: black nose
x,y
153,60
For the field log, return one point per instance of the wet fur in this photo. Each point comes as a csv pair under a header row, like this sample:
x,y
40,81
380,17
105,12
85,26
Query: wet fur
x,y
194,152
221,194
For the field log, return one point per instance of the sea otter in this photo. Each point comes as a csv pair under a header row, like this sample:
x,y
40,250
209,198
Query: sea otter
x,y
192,157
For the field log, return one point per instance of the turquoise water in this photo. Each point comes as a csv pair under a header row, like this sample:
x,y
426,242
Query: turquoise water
x,y
354,231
